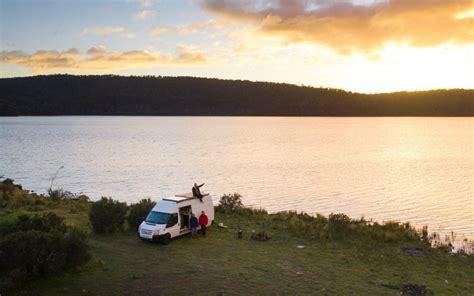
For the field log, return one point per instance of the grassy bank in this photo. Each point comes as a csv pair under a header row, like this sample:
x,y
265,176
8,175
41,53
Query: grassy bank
x,y
291,262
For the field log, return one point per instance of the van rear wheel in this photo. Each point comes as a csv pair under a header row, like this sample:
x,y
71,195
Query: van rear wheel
x,y
165,239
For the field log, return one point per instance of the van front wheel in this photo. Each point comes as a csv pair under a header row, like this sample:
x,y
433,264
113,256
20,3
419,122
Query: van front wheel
x,y
165,239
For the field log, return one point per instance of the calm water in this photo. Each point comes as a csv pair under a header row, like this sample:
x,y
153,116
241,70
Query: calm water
x,y
416,169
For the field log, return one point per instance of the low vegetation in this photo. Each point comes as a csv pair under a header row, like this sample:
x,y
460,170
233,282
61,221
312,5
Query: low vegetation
x,y
36,246
280,253
138,212
107,215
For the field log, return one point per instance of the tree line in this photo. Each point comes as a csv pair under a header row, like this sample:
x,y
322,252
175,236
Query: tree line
x,y
150,95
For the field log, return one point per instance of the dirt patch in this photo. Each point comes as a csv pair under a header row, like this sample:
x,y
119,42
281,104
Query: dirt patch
x,y
413,290
261,236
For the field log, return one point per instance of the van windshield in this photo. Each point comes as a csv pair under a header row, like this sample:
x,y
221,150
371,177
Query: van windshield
x,y
158,217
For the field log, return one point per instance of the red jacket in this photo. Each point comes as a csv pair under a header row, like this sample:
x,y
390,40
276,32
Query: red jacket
x,y
203,220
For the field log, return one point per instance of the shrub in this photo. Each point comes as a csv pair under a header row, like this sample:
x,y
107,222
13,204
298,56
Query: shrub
x,y
8,224
39,246
76,247
138,211
13,196
60,194
107,215
338,225
229,202
48,222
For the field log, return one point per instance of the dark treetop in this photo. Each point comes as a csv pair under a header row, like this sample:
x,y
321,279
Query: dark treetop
x,y
118,95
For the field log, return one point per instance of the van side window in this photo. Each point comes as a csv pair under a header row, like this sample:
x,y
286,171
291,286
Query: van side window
x,y
173,220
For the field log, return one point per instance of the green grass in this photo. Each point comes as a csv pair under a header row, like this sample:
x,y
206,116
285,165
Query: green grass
x,y
221,263
364,260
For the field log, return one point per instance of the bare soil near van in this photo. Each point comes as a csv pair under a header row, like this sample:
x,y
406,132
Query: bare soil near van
x,y
223,264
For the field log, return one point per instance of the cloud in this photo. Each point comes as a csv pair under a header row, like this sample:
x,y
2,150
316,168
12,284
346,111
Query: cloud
x,y
144,14
188,55
98,58
158,31
129,35
346,27
201,26
146,10
190,28
106,31
144,4
102,31
97,50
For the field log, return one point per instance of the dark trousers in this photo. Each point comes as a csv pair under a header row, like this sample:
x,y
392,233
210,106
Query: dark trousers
x,y
203,230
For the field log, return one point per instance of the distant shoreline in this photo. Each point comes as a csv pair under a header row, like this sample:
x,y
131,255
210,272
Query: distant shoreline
x,y
110,95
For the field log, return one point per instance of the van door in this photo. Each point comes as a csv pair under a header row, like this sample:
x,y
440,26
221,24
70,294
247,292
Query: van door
x,y
173,225
184,217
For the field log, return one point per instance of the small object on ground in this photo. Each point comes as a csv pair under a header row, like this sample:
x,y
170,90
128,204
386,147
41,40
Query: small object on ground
x,y
221,225
300,246
261,236
240,233
412,251
413,290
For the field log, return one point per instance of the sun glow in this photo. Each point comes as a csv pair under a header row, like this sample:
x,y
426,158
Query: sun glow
x,y
465,15
400,67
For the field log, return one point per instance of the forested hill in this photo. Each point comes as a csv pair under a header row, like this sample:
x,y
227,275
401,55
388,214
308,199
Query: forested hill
x,y
118,95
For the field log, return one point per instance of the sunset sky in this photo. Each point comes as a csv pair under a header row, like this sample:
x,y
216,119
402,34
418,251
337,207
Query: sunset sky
x,y
358,45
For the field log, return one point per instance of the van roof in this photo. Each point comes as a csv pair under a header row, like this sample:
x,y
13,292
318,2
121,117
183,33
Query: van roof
x,y
182,197
189,194
177,198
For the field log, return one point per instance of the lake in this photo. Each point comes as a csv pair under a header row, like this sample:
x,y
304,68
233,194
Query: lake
x,y
407,169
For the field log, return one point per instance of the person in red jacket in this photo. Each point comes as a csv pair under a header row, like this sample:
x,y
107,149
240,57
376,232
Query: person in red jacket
x,y
203,220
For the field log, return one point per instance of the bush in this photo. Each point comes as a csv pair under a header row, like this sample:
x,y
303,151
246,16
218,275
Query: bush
x,y
339,224
229,202
138,211
107,215
60,194
13,196
48,222
40,246
8,224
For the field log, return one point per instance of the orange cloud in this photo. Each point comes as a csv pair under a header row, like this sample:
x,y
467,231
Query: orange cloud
x,y
98,58
346,27
190,28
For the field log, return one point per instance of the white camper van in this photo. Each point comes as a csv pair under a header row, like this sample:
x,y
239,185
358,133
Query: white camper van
x,y
170,217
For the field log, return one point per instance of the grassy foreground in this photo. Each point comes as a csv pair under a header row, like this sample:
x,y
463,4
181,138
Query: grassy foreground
x,y
223,264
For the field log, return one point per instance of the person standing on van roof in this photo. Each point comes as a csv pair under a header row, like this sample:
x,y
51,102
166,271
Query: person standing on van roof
x,y
197,191
203,220
193,224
